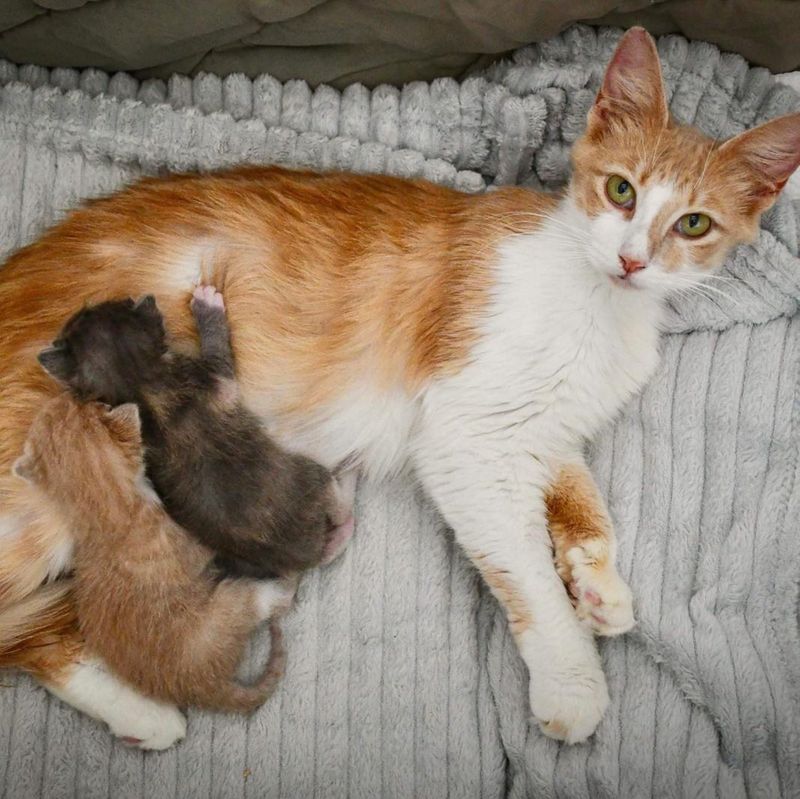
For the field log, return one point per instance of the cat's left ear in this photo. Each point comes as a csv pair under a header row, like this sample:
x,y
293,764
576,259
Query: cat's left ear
x,y
771,153
57,362
632,86
146,303
24,467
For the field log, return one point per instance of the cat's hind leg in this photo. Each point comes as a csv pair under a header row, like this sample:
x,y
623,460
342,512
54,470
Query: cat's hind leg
x,y
584,548
92,688
40,635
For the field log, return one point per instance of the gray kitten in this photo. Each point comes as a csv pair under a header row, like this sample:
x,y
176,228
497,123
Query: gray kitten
x,y
267,512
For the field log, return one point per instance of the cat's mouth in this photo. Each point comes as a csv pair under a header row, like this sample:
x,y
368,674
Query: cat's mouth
x,y
626,282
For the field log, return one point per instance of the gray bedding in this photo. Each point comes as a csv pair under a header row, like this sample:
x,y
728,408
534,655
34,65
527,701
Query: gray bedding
x,y
343,41
403,678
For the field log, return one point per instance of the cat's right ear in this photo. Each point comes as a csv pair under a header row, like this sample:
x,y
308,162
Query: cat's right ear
x,y
632,85
57,362
125,424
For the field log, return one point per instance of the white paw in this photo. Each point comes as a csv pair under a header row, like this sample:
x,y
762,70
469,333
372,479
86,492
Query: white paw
x,y
274,597
569,705
603,600
157,726
133,718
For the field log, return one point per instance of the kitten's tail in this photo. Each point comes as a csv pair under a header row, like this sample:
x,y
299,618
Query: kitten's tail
x,y
236,698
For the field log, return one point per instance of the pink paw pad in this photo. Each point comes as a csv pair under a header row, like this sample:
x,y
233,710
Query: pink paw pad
x,y
210,296
593,598
130,740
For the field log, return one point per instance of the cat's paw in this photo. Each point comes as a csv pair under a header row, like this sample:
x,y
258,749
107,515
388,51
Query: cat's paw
x,y
337,542
147,724
569,705
274,597
603,600
207,297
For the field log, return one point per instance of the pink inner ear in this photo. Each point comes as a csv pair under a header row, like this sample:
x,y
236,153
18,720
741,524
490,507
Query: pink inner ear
x,y
771,149
632,83
23,467
633,55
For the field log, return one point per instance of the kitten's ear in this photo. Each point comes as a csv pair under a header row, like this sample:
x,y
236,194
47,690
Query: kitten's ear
x,y
24,467
146,303
57,362
632,86
125,424
771,152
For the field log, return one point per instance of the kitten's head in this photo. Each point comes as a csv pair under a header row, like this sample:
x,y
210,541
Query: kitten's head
x,y
665,204
71,443
105,351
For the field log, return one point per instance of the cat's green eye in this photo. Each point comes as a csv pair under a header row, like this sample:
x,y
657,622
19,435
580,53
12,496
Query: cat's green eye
x,y
693,225
620,191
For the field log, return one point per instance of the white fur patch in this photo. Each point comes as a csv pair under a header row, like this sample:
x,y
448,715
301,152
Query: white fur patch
x,y
10,527
373,426
60,558
274,597
145,488
649,203
94,690
611,234
192,265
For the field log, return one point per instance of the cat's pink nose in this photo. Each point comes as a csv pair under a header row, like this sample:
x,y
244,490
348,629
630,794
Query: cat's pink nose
x,y
630,265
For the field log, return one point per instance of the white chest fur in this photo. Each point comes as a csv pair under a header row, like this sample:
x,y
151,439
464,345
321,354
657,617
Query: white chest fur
x,y
562,349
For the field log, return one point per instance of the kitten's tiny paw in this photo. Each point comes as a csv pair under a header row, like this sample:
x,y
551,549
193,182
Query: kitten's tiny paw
x,y
569,705
603,600
338,541
275,597
208,295
152,726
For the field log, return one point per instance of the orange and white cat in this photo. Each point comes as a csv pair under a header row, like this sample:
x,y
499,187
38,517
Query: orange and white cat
x,y
482,339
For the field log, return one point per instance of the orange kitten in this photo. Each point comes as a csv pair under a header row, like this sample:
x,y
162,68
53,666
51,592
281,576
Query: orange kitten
x,y
147,603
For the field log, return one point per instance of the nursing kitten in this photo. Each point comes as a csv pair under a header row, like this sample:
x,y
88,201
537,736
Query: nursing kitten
x,y
480,339
267,512
145,600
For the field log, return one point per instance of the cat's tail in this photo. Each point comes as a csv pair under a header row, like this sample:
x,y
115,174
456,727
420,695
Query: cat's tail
x,y
39,633
233,697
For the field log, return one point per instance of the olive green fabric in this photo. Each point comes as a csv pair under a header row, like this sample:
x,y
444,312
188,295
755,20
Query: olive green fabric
x,y
344,41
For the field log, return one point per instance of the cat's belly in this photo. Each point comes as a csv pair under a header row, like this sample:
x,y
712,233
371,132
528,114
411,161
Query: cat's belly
x,y
364,427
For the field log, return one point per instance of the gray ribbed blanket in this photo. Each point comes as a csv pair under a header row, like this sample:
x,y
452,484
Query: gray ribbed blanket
x,y
403,679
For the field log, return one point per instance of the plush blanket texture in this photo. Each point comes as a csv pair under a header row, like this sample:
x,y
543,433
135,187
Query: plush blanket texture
x,y
403,678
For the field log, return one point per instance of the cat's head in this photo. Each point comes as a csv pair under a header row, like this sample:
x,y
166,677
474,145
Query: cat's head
x,y
664,204
105,351
71,441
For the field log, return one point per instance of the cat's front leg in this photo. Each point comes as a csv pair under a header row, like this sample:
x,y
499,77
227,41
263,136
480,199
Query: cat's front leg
x,y
584,548
208,308
494,501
